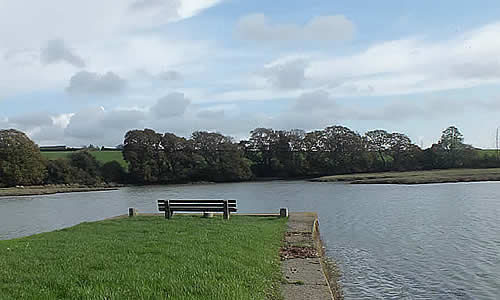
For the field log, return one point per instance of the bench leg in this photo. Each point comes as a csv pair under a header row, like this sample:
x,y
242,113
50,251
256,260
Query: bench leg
x,y
168,213
226,210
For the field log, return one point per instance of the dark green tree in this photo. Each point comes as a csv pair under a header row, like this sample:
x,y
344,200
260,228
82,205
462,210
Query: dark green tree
x,y
87,166
20,160
60,171
451,150
379,141
223,159
142,151
113,171
344,149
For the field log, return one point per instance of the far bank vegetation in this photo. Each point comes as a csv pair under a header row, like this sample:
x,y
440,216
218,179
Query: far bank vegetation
x,y
151,157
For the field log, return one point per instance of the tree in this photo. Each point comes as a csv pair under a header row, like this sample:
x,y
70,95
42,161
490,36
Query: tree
x,y
403,151
295,159
87,168
20,160
180,164
113,171
142,151
224,161
59,171
345,149
260,144
451,139
85,161
157,158
379,141
315,155
450,149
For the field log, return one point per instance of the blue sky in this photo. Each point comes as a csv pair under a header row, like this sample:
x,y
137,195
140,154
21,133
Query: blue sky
x,y
81,72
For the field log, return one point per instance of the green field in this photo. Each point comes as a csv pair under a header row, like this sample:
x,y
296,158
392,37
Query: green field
x,y
488,152
187,257
102,156
417,177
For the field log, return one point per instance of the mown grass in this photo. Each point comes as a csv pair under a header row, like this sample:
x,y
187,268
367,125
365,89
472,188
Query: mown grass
x,y
102,156
417,177
187,257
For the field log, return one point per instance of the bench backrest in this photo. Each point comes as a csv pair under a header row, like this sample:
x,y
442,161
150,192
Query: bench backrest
x,y
197,205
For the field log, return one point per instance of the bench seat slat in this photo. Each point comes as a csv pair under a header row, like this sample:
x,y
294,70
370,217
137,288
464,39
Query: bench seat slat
x,y
198,209
201,201
200,204
204,209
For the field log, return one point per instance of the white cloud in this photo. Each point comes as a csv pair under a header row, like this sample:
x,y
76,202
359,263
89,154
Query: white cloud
x,y
106,33
211,114
412,65
76,21
259,28
62,120
98,126
169,76
314,101
286,75
92,83
55,51
157,12
172,105
30,121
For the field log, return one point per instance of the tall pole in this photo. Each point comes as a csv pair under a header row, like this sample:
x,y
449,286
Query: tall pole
x,y
497,144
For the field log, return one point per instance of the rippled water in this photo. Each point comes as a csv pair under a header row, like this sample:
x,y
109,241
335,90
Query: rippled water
x,y
391,241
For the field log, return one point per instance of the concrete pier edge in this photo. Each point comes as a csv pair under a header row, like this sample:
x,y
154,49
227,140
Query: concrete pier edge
x,y
304,264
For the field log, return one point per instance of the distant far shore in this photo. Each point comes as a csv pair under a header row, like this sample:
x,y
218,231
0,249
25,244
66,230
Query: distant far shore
x,y
417,177
408,177
50,189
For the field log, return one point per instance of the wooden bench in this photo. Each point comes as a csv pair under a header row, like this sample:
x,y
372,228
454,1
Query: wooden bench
x,y
205,206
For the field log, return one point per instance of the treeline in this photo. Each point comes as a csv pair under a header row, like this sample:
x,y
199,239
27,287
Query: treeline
x,y
164,158
340,150
155,158
21,163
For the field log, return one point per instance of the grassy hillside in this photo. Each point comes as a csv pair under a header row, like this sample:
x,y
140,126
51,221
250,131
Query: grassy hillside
x,y
187,257
102,156
488,152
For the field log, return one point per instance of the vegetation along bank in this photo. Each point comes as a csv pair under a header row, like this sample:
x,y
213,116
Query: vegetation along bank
x,y
417,177
149,157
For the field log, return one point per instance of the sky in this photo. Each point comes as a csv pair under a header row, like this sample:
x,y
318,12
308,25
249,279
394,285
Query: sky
x,y
85,72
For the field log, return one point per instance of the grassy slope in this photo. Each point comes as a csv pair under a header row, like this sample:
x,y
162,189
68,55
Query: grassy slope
x,y
147,258
488,152
102,156
418,177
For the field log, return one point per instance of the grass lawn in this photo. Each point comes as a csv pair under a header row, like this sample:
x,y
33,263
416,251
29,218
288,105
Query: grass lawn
x,y
187,257
102,156
418,177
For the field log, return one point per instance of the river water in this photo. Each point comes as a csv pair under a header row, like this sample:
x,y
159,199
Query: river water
x,y
438,241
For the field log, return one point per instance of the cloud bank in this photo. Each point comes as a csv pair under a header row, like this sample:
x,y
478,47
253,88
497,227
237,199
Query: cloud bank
x,y
258,27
